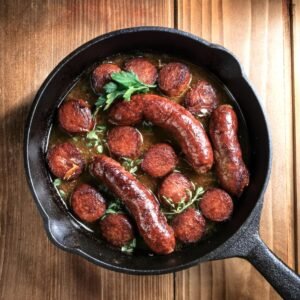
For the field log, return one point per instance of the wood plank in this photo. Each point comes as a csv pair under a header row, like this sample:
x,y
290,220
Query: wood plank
x,y
35,36
296,107
257,32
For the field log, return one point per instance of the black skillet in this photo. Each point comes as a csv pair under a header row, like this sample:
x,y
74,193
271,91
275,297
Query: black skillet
x,y
239,237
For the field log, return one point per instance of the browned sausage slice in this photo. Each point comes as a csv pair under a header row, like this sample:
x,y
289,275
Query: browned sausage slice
x,y
65,161
186,129
75,116
189,226
87,203
174,78
125,141
127,112
116,229
143,68
175,187
101,76
139,201
201,99
230,167
216,205
159,160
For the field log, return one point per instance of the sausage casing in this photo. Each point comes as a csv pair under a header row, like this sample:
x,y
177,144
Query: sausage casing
x,y
140,202
186,129
230,167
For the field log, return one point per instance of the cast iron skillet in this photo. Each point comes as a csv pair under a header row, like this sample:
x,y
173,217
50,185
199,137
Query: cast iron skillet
x,y
239,237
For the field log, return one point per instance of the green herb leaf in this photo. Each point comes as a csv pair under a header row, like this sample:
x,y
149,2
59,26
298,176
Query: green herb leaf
x,y
113,208
62,193
123,85
100,101
183,204
129,248
99,149
100,128
57,182
92,135
131,165
110,87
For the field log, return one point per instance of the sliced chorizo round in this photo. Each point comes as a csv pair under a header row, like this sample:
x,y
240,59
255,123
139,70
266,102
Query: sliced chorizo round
x,y
127,112
216,205
75,116
102,75
175,188
159,160
87,203
189,226
201,99
174,78
125,141
143,68
116,229
65,161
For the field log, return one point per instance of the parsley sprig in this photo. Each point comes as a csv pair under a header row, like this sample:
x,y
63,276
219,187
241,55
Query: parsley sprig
x,y
123,85
183,204
128,248
131,165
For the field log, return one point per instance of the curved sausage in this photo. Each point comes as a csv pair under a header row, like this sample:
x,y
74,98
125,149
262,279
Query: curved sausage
x,y
187,130
140,202
189,226
143,68
75,116
159,160
125,141
201,99
230,167
87,203
174,187
174,78
65,161
127,112
216,205
102,75
116,229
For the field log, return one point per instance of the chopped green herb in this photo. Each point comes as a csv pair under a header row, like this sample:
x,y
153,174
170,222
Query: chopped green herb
x,y
129,248
123,85
57,182
62,193
131,165
95,140
92,135
113,208
99,149
75,138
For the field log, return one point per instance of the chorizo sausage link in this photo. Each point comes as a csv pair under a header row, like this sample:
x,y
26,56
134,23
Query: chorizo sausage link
x,y
187,130
140,202
230,167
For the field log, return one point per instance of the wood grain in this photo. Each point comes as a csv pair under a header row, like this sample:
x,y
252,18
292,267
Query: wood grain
x,y
257,32
35,36
296,107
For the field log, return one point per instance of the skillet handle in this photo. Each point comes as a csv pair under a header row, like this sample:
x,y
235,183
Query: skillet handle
x,y
282,278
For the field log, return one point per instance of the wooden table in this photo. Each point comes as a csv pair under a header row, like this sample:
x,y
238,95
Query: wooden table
x,y
35,35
